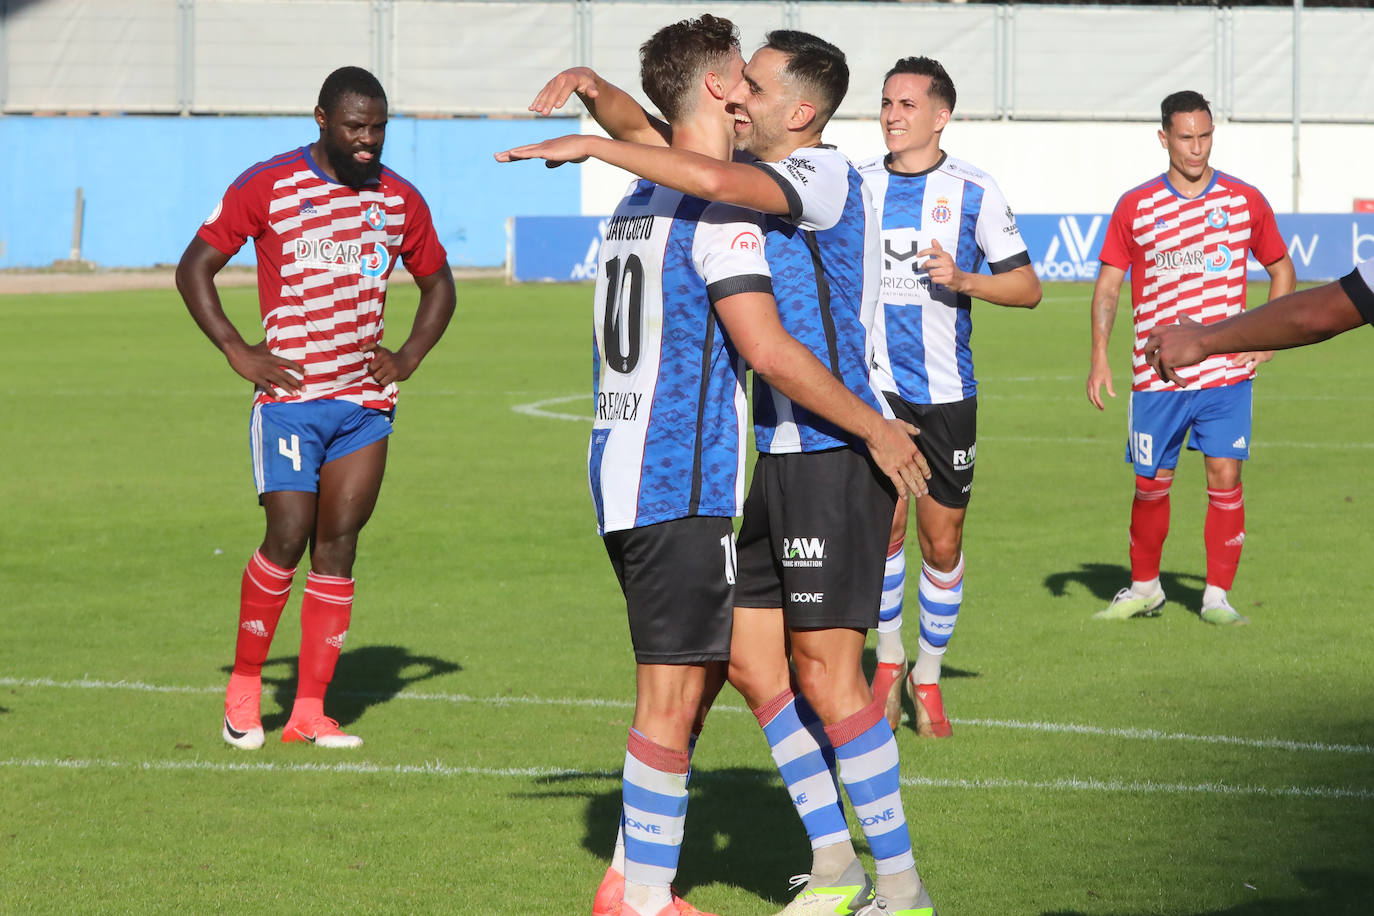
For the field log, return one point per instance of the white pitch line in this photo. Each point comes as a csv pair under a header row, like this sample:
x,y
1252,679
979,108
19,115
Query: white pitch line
x,y
539,409
1134,734
436,768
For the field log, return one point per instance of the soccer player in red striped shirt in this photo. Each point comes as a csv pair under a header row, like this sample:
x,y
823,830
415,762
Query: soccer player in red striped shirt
x,y
1185,238
328,222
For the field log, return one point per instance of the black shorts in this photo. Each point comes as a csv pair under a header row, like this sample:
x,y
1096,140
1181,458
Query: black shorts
x,y
814,538
949,440
678,579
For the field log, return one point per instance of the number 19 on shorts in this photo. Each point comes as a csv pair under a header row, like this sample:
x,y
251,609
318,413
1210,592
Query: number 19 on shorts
x,y
1142,448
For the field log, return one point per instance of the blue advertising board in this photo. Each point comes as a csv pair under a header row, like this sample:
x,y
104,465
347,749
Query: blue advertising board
x,y
1323,246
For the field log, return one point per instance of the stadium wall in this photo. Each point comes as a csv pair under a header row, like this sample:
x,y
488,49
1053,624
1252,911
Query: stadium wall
x,y
148,182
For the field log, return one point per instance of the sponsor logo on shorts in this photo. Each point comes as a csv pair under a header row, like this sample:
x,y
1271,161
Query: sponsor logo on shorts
x,y
807,597
803,552
1239,443
962,459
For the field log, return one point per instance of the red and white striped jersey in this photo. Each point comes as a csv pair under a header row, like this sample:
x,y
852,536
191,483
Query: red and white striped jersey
x,y
325,252
1187,257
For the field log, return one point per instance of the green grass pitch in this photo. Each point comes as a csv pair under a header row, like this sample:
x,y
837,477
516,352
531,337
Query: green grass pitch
x,y
1099,769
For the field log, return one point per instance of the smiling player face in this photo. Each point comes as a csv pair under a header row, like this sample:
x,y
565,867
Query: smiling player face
x,y
761,102
911,118
351,138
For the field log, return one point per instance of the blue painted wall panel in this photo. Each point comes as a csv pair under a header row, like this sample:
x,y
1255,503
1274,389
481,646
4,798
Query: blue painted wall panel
x,y
149,181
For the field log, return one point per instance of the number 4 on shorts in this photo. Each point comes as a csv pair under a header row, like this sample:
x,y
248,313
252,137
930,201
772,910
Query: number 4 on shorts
x,y
293,451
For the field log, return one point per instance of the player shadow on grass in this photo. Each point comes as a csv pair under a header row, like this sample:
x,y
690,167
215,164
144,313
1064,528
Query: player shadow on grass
x,y
741,831
367,676
1104,580
1330,892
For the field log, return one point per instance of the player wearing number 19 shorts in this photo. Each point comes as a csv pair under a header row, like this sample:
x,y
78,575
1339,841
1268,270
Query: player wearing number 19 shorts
x,y
329,222
1185,237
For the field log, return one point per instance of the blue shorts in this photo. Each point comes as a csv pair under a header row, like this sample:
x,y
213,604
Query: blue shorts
x,y
292,441
1157,422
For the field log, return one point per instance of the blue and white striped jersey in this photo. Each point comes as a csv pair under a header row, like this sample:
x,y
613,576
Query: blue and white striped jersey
x,y
824,260
922,335
669,432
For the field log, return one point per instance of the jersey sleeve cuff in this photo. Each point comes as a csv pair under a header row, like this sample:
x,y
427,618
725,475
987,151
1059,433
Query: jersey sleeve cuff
x,y
1020,259
794,201
1359,292
733,286
218,245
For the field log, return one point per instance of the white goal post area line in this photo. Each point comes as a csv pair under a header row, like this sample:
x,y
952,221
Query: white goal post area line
x,y
1131,734
541,409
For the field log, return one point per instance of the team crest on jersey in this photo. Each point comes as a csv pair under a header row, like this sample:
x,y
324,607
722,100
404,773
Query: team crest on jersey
x,y
1217,218
941,212
746,241
374,217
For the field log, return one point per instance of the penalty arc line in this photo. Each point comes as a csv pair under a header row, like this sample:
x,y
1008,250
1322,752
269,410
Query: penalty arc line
x,y
1134,734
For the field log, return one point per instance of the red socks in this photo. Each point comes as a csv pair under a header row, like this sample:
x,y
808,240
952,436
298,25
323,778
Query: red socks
x,y
263,594
1149,525
325,612
1224,534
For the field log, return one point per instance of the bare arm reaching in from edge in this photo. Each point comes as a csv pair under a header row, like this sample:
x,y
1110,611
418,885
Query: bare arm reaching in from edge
x,y
610,106
751,320
195,278
1294,320
1018,288
437,300
1283,279
1106,292
691,173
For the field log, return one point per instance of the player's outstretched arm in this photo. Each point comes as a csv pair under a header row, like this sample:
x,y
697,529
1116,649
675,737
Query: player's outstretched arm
x,y
610,106
195,278
1295,320
751,320
437,300
1283,279
1106,292
683,170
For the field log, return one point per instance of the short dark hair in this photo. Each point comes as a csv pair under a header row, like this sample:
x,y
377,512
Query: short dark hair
x,y
815,63
1179,102
349,81
941,86
674,57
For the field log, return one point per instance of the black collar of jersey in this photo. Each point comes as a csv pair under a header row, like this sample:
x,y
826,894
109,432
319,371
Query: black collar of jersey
x,y
887,164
